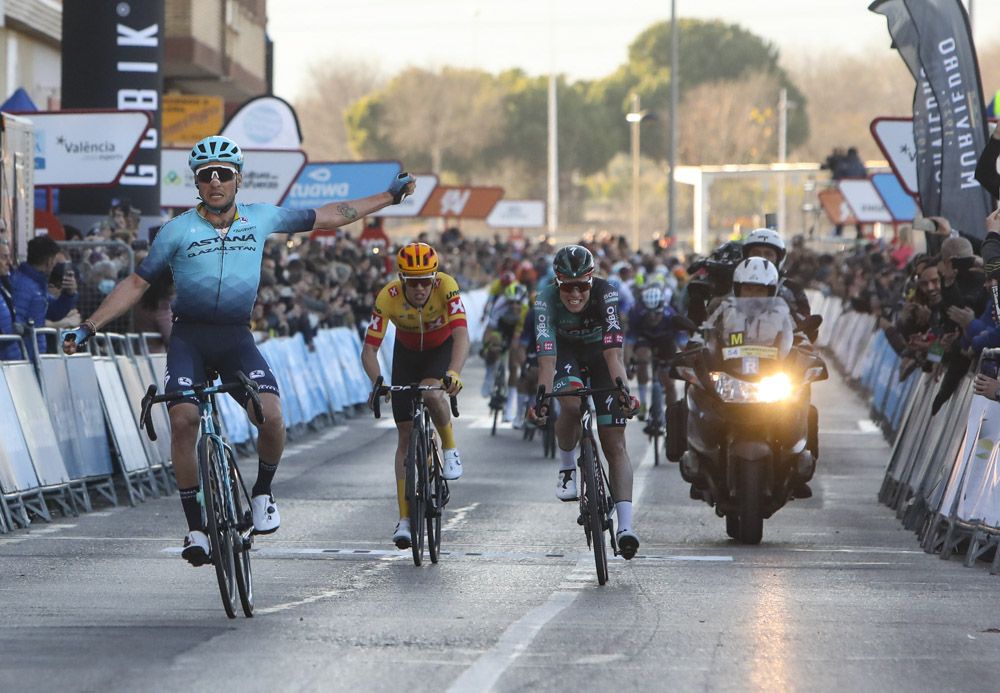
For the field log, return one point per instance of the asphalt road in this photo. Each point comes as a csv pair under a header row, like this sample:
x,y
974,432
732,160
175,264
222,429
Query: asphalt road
x,y
837,597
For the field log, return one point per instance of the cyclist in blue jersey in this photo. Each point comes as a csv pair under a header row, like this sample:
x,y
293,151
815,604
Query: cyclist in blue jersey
x,y
215,252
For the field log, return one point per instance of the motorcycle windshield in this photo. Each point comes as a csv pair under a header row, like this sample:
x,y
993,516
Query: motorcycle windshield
x,y
751,336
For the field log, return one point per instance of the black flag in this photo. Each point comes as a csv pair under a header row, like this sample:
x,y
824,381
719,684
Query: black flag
x,y
949,118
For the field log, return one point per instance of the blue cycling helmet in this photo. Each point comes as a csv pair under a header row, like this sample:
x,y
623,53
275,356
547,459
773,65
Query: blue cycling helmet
x,y
215,149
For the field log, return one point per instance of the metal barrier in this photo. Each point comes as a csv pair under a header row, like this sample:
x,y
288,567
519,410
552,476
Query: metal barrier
x,y
943,475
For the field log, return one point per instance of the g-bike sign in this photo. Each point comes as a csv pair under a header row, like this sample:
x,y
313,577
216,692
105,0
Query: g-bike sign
x,y
321,183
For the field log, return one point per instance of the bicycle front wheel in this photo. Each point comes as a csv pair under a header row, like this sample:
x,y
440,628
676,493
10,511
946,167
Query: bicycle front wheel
x,y
242,534
435,505
594,518
416,475
216,526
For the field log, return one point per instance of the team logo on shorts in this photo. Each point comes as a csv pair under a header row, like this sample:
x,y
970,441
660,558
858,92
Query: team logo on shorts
x,y
257,374
186,382
608,339
547,346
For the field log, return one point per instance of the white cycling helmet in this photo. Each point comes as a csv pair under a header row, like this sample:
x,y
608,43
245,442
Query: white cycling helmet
x,y
756,270
768,237
652,297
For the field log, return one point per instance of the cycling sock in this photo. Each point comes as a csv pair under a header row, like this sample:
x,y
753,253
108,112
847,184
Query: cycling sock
x,y
192,508
644,392
265,474
447,436
567,459
624,511
404,505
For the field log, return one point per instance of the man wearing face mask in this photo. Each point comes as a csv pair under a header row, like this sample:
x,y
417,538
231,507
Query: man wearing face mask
x,y
214,252
29,286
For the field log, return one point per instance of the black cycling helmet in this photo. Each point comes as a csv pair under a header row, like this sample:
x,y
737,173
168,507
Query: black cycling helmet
x,y
573,261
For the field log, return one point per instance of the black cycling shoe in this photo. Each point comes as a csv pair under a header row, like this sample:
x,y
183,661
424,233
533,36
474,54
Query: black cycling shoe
x,y
628,543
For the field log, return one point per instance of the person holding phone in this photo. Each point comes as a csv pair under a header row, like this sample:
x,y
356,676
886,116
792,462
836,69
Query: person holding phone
x,y
33,304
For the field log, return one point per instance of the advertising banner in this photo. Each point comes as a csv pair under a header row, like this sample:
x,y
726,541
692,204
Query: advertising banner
x,y
321,183
74,148
899,202
865,202
188,118
266,122
517,214
949,117
112,57
836,207
461,202
412,204
267,176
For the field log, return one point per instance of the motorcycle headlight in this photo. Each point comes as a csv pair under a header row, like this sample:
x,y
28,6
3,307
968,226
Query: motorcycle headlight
x,y
772,388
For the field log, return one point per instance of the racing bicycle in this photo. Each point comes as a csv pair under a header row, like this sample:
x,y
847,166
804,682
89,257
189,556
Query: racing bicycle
x,y
425,487
225,502
596,503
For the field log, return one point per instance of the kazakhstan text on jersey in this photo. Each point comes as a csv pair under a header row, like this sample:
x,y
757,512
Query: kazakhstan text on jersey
x,y
216,277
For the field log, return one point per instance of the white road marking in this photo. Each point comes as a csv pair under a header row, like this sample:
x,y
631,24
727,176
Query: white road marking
x,y
868,426
458,517
487,670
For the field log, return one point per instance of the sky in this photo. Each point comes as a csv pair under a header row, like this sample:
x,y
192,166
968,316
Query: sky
x,y
583,39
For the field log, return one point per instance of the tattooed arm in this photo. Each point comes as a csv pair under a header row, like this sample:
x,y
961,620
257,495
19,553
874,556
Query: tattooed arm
x,y
336,214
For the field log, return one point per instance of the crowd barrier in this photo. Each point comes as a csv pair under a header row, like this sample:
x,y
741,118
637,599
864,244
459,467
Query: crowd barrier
x,y
943,475
74,434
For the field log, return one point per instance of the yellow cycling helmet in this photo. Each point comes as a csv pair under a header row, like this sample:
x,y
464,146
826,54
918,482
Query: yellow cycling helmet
x,y
416,260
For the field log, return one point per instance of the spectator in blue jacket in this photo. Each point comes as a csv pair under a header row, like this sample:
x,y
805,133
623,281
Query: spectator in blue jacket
x,y
32,302
7,351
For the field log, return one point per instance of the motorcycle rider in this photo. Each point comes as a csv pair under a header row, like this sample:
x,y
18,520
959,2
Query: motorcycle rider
x,y
768,244
757,277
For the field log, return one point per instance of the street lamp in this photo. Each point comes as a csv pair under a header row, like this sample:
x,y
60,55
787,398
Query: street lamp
x,y
635,118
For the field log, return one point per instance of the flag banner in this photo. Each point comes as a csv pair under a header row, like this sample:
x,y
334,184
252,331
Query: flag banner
x,y
949,118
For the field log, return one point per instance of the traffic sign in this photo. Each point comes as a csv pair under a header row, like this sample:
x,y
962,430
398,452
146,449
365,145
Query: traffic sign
x,y
321,183
894,137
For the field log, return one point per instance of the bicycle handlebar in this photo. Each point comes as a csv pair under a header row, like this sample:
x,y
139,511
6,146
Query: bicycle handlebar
x,y
379,391
619,387
201,391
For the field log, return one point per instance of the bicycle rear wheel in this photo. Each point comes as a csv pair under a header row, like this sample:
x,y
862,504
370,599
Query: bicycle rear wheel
x,y
435,505
242,536
216,526
416,474
594,517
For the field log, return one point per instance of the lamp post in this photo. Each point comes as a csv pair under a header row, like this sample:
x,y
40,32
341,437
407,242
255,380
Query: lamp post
x,y
635,118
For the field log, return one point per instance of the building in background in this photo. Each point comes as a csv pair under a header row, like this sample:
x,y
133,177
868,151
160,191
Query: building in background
x,y
30,50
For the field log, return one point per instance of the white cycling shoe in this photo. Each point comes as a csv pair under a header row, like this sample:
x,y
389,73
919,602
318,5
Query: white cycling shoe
x,y
451,467
566,486
401,537
266,518
197,550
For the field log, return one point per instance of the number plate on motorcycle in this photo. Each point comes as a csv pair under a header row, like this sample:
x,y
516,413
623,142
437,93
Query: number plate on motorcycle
x,y
748,351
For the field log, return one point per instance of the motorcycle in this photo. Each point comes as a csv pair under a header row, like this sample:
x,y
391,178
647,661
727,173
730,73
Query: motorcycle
x,y
746,434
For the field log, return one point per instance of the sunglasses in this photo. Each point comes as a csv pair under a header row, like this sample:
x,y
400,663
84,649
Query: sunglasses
x,y
580,287
422,282
206,175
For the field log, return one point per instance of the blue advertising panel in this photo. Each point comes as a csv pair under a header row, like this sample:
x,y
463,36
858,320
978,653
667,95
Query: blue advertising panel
x,y
900,203
321,183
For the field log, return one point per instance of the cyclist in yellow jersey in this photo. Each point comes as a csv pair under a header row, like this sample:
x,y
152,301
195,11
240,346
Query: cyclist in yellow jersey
x,y
432,343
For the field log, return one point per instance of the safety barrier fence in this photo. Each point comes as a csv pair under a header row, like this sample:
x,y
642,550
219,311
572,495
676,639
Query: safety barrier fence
x,y
69,425
943,475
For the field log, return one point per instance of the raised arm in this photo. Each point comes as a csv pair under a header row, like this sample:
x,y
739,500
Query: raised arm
x,y
335,214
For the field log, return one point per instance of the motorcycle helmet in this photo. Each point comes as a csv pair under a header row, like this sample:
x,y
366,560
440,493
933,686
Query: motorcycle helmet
x,y
756,270
573,262
765,237
215,149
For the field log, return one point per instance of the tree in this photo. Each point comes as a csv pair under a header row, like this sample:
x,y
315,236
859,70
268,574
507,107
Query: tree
x,y
323,109
432,120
